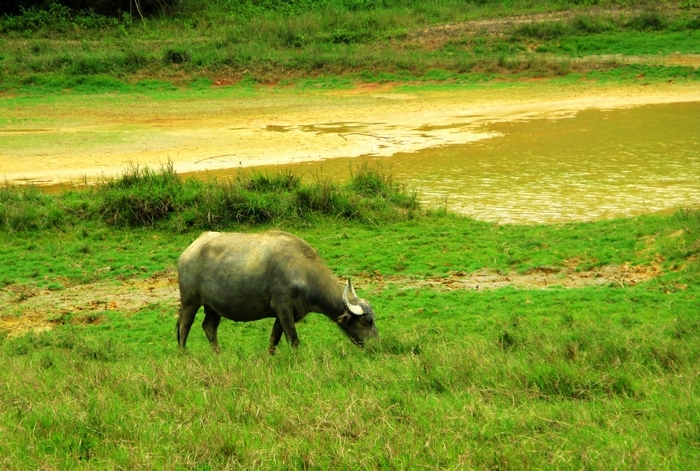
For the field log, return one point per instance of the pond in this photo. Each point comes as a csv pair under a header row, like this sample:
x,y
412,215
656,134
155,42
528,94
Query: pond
x,y
585,165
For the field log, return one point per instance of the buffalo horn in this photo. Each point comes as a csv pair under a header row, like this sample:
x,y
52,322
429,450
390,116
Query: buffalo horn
x,y
353,308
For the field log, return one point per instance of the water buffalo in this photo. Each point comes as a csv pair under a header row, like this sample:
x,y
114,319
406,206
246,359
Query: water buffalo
x,y
247,277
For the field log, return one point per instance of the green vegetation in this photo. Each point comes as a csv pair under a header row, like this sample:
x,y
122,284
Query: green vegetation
x,y
604,376
283,41
144,197
598,377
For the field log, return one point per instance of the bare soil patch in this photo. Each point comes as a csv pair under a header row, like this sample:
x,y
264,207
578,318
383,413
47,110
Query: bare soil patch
x,y
29,309
537,278
441,33
436,37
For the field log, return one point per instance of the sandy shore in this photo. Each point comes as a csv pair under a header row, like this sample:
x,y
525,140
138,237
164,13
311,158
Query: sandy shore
x,y
72,138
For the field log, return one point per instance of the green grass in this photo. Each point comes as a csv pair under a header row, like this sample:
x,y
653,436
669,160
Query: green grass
x,y
289,41
575,387
75,233
600,377
146,197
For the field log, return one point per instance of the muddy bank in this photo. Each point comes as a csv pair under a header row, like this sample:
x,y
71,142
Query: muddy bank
x,y
32,309
79,139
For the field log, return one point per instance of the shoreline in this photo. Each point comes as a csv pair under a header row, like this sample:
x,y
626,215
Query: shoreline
x,y
83,139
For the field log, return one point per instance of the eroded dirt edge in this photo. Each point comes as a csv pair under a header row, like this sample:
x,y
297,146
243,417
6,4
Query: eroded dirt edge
x,y
32,309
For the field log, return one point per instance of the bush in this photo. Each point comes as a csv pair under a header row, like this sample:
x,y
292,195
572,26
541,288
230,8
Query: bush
x,y
53,16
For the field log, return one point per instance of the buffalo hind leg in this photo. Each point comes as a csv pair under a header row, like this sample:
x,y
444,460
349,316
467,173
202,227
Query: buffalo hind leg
x,y
211,326
276,336
184,322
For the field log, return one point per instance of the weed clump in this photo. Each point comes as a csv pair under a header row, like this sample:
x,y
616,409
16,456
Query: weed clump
x,y
176,56
647,21
23,209
141,197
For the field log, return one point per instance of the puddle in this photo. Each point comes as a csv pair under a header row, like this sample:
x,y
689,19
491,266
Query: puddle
x,y
276,128
331,128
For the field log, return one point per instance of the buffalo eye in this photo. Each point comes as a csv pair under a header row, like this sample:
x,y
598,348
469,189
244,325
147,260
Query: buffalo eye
x,y
367,321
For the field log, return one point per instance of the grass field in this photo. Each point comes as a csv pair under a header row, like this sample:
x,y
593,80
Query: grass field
x,y
597,377
289,41
598,368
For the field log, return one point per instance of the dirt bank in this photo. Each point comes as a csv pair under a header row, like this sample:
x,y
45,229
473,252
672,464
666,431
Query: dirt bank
x,y
32,309
71,138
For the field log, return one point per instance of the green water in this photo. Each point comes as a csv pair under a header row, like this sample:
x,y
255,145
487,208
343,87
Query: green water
x,y
594,164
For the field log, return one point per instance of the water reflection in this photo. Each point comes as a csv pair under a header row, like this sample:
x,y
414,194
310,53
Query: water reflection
x,y
592,165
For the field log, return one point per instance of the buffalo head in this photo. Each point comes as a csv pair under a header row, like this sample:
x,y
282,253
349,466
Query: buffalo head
x,y
358,319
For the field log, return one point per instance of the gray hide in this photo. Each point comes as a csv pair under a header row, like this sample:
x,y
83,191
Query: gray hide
x,y
247,277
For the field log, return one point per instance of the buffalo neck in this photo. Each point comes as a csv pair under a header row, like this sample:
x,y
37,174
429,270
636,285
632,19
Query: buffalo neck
x,y
326,297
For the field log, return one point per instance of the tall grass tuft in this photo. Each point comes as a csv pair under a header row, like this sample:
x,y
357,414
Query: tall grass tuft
x,y
283,180
142,196
23,209
375,183
648,21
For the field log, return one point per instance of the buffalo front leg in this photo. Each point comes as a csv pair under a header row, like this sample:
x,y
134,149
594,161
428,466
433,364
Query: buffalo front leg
x,y
276,336
211,326
285,316
184,322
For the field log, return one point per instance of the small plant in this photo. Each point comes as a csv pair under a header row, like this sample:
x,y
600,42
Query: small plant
x,y
176,56
4,282
506,341
647,21
283,180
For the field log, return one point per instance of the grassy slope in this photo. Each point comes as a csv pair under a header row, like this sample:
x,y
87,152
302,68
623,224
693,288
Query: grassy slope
x,y
404,40
598,377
